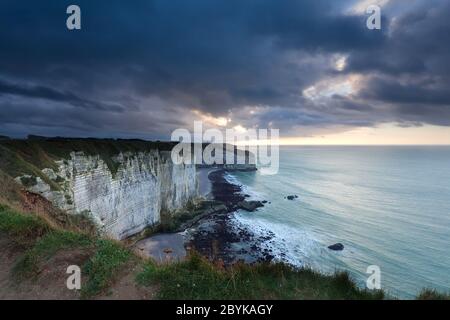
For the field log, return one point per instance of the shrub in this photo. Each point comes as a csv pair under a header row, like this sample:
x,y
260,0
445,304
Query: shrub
x,y
431,294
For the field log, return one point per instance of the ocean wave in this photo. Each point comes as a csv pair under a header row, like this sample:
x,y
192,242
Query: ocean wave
x,y
287,244
245,189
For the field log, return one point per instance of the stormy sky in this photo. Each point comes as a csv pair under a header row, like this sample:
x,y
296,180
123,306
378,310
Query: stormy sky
x,y
143,68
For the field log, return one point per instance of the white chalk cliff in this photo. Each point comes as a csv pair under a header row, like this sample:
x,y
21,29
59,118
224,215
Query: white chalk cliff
x,y
125,202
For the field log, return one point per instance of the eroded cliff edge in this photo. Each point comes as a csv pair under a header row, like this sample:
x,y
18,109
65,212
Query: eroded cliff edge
x,y
122,185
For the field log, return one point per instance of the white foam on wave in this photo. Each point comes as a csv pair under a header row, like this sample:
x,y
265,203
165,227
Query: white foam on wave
x,y
287,244
254,195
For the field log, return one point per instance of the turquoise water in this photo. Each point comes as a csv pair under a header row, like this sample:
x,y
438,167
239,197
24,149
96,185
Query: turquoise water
x,y
389,206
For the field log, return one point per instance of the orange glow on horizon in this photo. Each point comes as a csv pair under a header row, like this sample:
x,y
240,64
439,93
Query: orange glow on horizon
x,y
383,135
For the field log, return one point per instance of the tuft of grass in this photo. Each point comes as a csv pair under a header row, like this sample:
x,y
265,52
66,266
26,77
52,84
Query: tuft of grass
x,y
432,294
197,278
29,161
24,229
57,240
102,268
28,266
9,190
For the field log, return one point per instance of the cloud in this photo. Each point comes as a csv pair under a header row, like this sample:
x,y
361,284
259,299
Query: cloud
x,y
143,68
55,95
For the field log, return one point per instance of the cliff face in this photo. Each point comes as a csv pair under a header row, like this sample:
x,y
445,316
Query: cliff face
x,y
123,202
124,185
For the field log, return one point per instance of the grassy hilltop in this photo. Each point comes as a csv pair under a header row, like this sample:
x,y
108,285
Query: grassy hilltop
x,y
18,157
106,260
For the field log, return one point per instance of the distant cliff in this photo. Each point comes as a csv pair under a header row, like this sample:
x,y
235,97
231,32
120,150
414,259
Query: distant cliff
x,y
124,185
233,159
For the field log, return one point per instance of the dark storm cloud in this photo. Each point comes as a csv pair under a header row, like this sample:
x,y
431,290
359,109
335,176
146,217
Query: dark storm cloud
x,y
411,70
391,90
55,95
140,67
418,43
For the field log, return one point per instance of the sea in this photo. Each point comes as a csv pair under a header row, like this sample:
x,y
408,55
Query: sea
x,y
388,205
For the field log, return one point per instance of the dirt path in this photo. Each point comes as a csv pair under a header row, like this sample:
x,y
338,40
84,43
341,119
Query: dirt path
x,y
51,281
125,288
8,255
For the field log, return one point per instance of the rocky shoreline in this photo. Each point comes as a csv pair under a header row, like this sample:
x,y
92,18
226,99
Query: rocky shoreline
x,y
218,238
216,234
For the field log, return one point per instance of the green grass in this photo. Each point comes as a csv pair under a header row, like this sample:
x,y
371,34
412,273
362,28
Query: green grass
x,y
9,190
194,278
19,157
431,294
30,161
24,229
108,257
171,222
101,269
197,278
28,266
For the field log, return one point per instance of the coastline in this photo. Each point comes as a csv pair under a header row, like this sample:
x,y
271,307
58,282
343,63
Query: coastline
x,y
218,237
213,233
